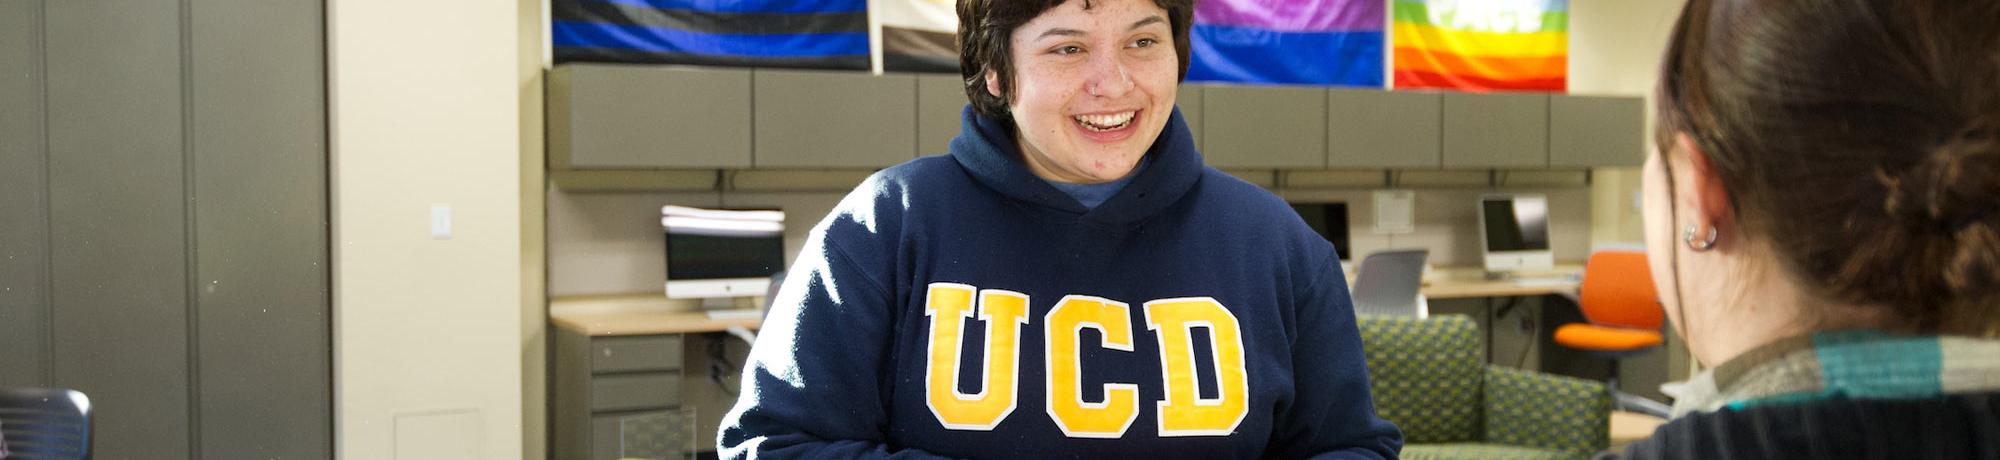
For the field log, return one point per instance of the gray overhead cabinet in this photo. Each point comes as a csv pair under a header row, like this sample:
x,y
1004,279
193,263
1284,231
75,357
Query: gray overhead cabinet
x,y
631,117
1264,127
1593,131
608,116
815,119
1369,129
1496,131
940,100
1190,103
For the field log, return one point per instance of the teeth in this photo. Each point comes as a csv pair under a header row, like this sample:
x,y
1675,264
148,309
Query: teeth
x,y
1105,122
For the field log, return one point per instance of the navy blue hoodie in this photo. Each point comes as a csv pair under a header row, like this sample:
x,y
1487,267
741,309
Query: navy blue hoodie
x,y
959,306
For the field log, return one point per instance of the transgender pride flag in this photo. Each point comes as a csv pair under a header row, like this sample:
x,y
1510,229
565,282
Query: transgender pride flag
x,y
1310,42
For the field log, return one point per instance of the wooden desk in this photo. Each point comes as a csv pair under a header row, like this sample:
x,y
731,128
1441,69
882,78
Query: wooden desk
x,y
1471,282
617,324
638,314
1500,308
1628,427
1459,289
625,385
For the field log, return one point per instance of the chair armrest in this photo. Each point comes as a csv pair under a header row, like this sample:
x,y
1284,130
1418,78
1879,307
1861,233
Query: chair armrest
x,y
1534,409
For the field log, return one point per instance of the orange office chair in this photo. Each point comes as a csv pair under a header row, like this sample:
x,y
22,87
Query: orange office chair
x,y
1624,311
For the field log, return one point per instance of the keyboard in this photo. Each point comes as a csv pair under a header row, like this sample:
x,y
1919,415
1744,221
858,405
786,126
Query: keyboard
x,y
1543,282
744,313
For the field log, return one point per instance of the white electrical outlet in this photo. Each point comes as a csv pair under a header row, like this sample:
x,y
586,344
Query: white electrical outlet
x,y
441,221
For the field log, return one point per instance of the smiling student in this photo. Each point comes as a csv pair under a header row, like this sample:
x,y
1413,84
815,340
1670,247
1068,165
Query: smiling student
x,y
1069,281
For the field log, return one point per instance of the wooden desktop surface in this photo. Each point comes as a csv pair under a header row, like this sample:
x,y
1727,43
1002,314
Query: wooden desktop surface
x,y
639,314
644,314
1467,282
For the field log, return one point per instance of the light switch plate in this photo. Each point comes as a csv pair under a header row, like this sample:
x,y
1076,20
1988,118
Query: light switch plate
x,y
441,221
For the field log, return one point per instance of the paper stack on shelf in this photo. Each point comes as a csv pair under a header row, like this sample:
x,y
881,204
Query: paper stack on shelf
x,y
717,222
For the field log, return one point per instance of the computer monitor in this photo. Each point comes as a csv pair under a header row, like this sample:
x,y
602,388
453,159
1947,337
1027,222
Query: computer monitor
x,y
722,253
1514,232
1329,220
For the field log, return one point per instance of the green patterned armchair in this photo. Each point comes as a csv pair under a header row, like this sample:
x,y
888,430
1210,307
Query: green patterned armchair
x,y
1430,379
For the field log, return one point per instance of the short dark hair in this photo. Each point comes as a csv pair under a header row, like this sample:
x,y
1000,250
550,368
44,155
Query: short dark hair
x,y
1860,138
985,28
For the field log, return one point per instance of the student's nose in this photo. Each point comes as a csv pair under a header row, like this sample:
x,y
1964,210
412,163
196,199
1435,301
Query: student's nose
x,y
1109,75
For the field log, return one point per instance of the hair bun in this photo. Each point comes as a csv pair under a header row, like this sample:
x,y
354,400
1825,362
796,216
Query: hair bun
x,y
1949,204
1956,185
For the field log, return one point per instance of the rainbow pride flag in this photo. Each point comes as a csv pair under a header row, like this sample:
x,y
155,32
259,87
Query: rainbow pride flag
x,y
1482,45
1314,42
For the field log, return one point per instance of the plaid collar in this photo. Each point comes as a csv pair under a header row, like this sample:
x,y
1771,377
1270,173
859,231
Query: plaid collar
x,y
1855,364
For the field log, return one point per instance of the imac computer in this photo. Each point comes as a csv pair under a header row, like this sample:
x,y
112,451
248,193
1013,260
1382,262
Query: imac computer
x,y
1329,220
718,255
1514,233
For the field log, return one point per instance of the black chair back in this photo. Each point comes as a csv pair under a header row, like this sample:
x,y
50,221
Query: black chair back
x,y
45,423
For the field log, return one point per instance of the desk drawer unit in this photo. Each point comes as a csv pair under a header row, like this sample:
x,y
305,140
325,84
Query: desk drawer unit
x,y
654,434
634,392
618,397
635,353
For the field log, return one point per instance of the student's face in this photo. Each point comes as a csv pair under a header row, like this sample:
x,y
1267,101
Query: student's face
x,y
1092,88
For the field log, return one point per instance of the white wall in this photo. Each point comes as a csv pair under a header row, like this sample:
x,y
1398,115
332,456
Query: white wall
x,y
436,341
1614,49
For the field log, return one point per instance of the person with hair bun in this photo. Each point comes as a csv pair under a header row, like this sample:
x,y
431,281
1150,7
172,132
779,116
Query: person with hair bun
x,y
1823,219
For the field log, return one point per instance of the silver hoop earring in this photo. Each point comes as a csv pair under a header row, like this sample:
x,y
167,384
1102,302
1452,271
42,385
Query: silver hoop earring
x,y
1707,243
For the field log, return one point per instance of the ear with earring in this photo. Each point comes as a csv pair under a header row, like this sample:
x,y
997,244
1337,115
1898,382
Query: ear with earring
x,y
1703,245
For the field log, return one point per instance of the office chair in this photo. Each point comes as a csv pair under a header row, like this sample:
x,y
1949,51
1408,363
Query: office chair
x,y
45,423
1388,282
1618,298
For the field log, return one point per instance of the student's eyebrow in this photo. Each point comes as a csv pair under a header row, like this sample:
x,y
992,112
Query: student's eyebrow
x,y
1154,19
1066,32
1059,32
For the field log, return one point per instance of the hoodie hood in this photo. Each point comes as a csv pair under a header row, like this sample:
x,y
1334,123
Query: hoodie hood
x,y
985,148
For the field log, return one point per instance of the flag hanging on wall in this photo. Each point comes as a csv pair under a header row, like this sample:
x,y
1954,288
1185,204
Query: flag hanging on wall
x,y
819,34
916,35
1482,45
1310,42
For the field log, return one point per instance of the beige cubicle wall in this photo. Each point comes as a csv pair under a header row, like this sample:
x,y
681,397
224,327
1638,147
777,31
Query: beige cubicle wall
x,y
603,243
1447,221
611,243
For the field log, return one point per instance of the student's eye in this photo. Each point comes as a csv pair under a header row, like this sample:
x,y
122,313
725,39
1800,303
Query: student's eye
x,y
1144,42
1066,50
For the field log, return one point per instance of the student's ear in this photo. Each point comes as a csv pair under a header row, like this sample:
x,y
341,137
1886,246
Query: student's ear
x,y
1707,194
993,84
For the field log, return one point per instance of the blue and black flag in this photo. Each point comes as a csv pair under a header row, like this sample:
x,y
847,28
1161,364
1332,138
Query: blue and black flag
x,y
815,34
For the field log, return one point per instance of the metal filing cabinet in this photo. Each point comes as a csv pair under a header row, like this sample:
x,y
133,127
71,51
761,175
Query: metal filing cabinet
x,y
620,397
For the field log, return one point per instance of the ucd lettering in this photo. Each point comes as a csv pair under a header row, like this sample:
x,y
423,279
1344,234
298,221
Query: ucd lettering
x,y
1182,413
